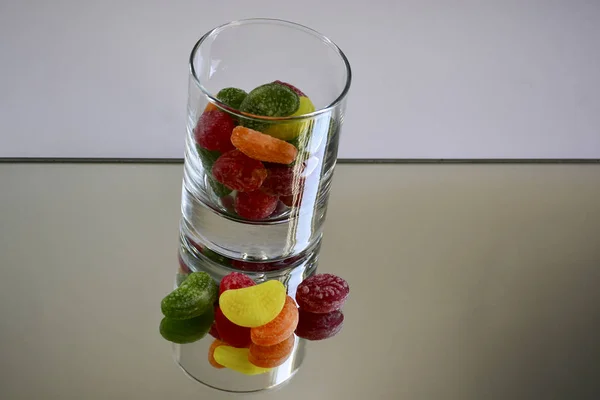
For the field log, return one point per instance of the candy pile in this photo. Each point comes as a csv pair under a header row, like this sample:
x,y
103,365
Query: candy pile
x,y
255,162
253,325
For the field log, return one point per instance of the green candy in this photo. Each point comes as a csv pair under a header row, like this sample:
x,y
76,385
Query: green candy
x,y
219,259
217,187
187,330
232,97
269,100
192,298
207,157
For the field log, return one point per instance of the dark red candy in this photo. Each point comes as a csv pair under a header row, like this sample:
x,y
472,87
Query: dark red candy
x,y
239,172
292,201
255,205
255,266
294,88
213,131
183,266
313,326
280,181
214,332
322,293
235,280
232,334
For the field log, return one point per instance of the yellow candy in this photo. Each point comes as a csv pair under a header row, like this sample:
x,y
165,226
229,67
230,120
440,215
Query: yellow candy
x,y
253,306
237,360
291,130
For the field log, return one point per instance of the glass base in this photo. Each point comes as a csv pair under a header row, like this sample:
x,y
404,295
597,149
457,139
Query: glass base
x,y
193,360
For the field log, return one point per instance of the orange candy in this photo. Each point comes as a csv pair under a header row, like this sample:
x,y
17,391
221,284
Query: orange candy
x,y
278,329
263,147
271,356
210,107
211,353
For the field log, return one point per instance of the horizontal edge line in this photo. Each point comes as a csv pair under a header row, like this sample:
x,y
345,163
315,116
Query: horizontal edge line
x,y
74,160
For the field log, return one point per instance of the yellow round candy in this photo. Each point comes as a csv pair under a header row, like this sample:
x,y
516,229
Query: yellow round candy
x,y
291,130
237,360
253,306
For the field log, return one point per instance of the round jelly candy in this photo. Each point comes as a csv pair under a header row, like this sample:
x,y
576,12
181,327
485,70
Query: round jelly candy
x,y
232,334
313,326
211,353
294,88
237,360
271,356
282,181
232,97
294,200
271,100
280,328
292,129
235,280
322,293
239,172
255,305
188,330
263,147
213,131
255,205
192,298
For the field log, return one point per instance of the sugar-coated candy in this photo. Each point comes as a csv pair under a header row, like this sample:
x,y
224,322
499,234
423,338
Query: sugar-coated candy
x,y
322,293
235,280
280,328
283,180
255,266
187,330
271,100
294,200
271,356
294,88
207,157
262,147
192,298
232,97
255,305
313,326
232,334
237,360
183,266
255,205
211,353
210,107
239,172
213,131
290,130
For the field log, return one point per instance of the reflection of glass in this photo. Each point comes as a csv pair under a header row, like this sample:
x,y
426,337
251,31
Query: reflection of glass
x,y
197,341
262,222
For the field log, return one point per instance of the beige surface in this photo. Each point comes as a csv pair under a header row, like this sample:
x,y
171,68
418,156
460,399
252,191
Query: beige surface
x,y
468,282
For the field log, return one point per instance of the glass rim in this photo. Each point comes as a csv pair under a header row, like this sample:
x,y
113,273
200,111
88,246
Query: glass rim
x,y
213,98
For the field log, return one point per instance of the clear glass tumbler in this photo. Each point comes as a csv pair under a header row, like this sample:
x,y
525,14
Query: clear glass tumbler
x,y
266,104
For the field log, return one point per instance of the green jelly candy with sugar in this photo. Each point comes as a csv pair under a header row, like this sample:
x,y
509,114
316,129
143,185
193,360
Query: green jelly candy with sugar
x,y
290,130
232,97
192,298
207,157
217,187
187,330
269,100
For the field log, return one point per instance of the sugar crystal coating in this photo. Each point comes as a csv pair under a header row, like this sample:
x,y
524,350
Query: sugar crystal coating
x,y
192,298
255,305
239,172
235,280
322,293
213,131
262,147
280,328
271,356
255,205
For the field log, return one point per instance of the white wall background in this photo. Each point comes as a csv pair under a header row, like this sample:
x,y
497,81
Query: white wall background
x,y
432,78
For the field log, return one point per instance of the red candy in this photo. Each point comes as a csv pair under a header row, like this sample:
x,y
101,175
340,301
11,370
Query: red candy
x,y
254,266
280,181
239,172
214,332
182,265
322,293
294,88
232,334
255,205
213,131
235,280
319,326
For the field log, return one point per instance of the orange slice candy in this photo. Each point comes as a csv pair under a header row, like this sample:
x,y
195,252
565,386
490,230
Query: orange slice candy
x,y
280,328
263,147
271,356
